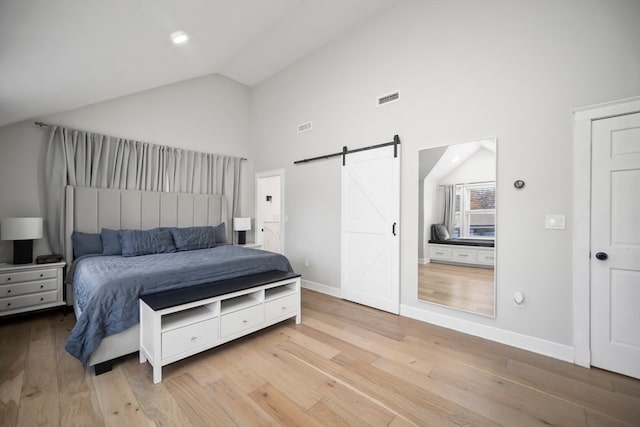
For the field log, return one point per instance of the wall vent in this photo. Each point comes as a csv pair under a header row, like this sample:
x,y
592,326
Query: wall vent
x,y
390,97
303,127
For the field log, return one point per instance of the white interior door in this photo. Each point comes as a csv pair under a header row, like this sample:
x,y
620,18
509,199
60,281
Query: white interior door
x,y
270,216
370,242
615,245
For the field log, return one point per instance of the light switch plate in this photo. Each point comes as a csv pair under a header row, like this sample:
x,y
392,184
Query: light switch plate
x,y
555,222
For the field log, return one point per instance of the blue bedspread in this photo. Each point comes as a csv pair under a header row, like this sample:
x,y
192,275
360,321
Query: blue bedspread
x,y
107,288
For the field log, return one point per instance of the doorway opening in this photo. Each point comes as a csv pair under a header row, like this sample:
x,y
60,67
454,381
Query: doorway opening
x,y
270,216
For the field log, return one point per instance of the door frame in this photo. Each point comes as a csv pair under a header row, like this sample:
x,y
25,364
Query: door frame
x,y
268,174
582,129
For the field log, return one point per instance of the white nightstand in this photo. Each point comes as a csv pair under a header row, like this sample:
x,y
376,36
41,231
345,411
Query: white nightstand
x,y
30,287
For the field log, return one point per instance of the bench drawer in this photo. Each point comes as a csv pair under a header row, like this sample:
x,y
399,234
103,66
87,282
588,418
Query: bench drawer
x,y
190,337
280,307
464,255
238,321
486,257
440,253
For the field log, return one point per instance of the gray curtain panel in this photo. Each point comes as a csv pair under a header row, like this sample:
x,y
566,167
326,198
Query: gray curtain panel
x,y
87,159
449,208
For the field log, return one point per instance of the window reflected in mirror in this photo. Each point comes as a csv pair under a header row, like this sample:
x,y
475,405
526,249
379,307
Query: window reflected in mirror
x,y
457,226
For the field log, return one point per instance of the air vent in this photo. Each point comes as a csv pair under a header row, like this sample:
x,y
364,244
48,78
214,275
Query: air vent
x,y
390,97
304,127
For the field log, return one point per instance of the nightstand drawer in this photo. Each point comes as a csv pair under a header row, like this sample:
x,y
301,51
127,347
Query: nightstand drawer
x,y
188,338
280,307
27,276
28,300
240,320
28,288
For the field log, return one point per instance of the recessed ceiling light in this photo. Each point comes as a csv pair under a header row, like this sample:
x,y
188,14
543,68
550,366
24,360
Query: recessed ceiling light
x,y
179,37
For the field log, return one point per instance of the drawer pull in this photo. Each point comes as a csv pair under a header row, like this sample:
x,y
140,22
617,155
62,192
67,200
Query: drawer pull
x,y
8,304
41,275
284,308
41,299
8,278
439,253
41,286
194,338
244,321
8,291
463,255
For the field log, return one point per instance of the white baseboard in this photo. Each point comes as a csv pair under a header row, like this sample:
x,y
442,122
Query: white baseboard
x,y
423,260
319,287
513,339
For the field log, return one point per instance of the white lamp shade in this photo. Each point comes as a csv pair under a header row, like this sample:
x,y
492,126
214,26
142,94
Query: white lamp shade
x,y
21,228
241,224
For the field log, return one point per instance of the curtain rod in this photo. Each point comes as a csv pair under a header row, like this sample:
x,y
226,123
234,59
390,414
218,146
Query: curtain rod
x,y
43,125
345,151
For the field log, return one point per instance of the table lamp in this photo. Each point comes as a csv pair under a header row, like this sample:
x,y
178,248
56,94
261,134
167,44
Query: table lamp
x,y
22,231
242,225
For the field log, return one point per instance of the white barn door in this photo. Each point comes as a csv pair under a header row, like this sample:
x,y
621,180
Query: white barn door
x,y
370,241
615,245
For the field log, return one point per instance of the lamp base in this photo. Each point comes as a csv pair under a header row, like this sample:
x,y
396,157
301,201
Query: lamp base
x,y
23,251
242,237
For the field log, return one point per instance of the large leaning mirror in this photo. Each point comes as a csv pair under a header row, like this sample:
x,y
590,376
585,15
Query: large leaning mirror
x,y
457,226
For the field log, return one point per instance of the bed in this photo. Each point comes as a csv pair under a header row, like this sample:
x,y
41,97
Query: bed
x,y
104,289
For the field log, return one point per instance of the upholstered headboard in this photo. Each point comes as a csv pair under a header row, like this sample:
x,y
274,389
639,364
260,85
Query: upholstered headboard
x,y
91,209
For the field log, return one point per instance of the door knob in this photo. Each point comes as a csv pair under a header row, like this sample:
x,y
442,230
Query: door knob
x,y
602,256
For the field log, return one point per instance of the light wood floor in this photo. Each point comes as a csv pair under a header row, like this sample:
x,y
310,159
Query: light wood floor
x,y
344,365
466,288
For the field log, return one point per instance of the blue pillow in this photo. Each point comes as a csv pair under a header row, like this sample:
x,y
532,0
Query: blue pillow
x,y
220,234
86,244
190,238
111,242
144,242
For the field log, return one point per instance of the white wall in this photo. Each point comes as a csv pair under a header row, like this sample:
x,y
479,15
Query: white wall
x,y
466,70
479,167
208,114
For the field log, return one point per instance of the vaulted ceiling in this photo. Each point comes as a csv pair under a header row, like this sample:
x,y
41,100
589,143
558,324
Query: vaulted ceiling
x,y
64,54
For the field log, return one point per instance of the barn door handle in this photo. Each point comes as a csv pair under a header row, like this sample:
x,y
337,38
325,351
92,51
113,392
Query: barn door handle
x,y
393,228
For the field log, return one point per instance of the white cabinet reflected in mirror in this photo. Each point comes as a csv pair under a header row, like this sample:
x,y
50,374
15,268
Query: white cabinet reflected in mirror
x,y
457,226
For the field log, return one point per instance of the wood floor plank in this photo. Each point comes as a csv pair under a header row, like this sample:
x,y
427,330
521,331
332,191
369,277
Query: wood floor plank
x,y
416,403
118,404
156,401
243,410
282,408
466,288
520,404
233,365
346,364
198,402
14,342
39,398
621,407
305,396
76,389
